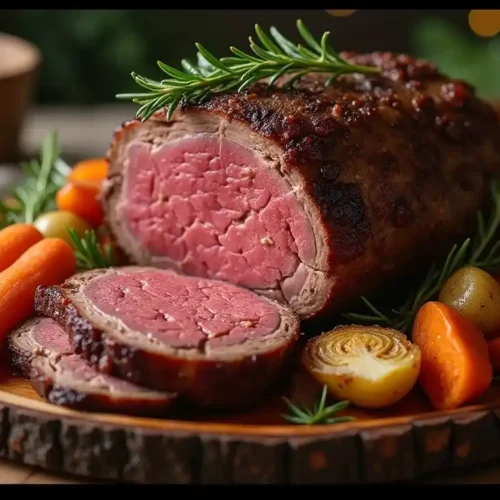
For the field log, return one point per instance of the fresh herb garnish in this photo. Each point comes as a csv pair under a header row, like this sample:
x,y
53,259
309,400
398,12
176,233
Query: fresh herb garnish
x,y
483,251
89,253
277,56
319,414
37,192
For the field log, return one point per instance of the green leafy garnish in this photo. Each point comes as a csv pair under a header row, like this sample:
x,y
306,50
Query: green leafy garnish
x,y
483,251
89,253
44,177
319,414
275,57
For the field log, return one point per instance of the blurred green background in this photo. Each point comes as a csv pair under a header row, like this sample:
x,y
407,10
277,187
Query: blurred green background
x,y
89,54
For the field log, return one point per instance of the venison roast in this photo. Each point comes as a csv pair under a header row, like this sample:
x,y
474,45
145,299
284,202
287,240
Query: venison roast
x,y
219,345
40,351
313,195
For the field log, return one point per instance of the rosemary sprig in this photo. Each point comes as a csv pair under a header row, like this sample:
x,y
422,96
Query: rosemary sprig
x,y
482,251
275,57
43,178
89,253
319,414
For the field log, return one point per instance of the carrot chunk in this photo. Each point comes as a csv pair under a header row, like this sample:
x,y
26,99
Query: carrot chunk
x,y
456,367
48,262
15,240
80,201
89,173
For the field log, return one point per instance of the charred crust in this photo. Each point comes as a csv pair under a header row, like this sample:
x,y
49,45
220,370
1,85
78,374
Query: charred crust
x,y
59,396
377,155
76,400
203,382
69,398
311,121
344,206
454,112
85,340
43,384
329,171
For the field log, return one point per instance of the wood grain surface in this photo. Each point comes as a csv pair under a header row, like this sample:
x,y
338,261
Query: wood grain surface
x,y
407,442
14,473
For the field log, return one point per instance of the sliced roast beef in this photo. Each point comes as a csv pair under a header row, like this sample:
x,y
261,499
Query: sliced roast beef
x,y
40,350
218,344
312,195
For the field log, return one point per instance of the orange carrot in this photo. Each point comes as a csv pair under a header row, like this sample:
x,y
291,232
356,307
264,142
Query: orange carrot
x,y
494,350
48,262
89,173
15,240
455,365
80,201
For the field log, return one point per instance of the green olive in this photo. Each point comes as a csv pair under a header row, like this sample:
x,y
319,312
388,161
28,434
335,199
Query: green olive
x,y
476,295
56,224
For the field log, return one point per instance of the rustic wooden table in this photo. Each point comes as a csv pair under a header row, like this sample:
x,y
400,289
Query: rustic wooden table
x,y
85,132
11,473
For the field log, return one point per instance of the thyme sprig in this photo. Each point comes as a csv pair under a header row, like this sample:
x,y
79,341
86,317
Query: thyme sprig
x,y
276,56
319,414
89,253
43,177
483,251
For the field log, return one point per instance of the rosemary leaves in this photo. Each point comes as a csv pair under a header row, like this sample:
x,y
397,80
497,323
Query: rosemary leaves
x,y
89,253
36,194
275,57
319,414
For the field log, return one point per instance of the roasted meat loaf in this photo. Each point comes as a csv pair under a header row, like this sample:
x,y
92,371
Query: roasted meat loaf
x,y
218,345
313,195
40,351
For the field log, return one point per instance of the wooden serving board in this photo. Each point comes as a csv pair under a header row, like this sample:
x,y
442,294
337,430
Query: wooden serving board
x,y
400,443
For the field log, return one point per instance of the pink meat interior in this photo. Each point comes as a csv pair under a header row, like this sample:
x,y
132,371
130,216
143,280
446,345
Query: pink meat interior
x,y
51,336
75,367
212,208
183,312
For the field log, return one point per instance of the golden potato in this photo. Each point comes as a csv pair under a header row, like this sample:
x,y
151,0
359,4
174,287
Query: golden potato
x,y
476,295
56,224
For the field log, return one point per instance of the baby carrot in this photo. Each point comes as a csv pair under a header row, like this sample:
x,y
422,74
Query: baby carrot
x,y
15,240
455,365
48,262
80,201
89,173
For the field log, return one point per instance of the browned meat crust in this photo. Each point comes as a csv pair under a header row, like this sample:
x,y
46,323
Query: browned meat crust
x,y
35,365
94,402
237,382
397,164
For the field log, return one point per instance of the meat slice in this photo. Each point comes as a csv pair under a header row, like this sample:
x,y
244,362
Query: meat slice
x,y
219,345
40,350
312,195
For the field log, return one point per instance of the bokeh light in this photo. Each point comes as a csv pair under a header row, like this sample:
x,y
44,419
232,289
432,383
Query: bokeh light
x,y
485,22
341,13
